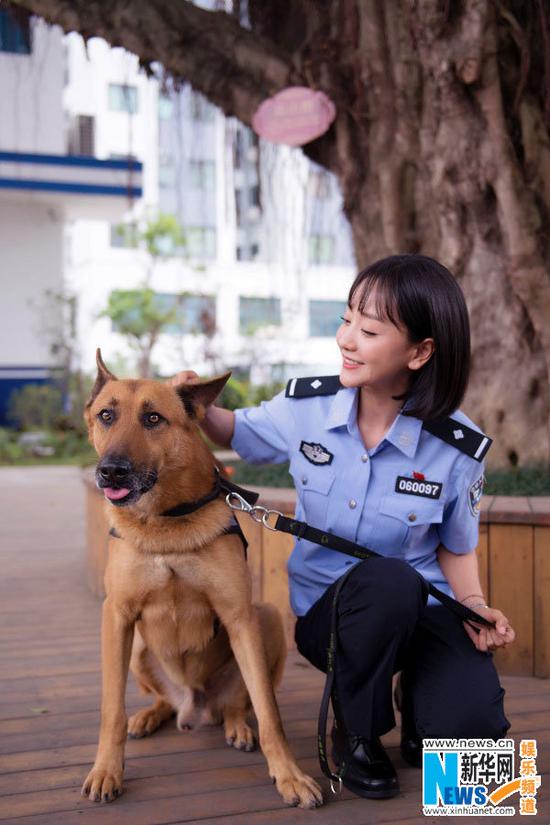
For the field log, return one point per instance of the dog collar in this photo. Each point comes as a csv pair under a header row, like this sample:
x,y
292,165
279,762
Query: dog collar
x,y
221,485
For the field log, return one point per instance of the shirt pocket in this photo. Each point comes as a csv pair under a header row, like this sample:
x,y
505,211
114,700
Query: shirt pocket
x,y
407,522
313,485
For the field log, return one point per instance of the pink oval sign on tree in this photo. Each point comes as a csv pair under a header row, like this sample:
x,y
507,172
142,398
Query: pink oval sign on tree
x,y
294,116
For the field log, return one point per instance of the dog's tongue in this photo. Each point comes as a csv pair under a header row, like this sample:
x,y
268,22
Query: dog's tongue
x,y
115,493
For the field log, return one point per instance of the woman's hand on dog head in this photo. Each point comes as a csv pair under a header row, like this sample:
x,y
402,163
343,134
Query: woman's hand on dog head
x,y
184,377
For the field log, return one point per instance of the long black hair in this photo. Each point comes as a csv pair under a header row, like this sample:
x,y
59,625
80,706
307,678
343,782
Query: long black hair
x,y
419,294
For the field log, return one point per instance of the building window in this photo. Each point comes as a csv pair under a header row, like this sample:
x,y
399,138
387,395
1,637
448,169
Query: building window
x,y
128,157
321,249
258,312
248,253
167,173
255,196
201,109
239,206
165,106
238,149
200,242
185,314
81,136
15,32
124,235
325,317
202,175
319,184
123,98
193,314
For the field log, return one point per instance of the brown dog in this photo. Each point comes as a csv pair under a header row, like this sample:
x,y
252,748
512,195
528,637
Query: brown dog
x,y
171,580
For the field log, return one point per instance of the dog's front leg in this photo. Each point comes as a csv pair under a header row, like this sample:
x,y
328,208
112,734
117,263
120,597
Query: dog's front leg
x,y
296,787
104,782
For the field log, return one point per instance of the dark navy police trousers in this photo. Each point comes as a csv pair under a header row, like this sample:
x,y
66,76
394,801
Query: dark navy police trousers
x,y
450,689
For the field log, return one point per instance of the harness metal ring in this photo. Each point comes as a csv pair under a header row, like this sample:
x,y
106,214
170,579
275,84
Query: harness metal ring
x,y
265,519
241,506
338,788
257,512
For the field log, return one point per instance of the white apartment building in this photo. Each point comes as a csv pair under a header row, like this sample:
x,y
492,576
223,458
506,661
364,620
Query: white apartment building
x,y
267,252
44,188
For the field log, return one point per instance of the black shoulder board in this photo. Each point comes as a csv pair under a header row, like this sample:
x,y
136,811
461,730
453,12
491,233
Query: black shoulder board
x,y
308,387
460,436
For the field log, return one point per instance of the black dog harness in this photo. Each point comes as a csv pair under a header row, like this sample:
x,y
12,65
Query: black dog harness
x,y
185,508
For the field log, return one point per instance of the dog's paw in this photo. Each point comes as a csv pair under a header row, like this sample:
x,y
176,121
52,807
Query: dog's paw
x,y
143,723
102,785
299,790
239,735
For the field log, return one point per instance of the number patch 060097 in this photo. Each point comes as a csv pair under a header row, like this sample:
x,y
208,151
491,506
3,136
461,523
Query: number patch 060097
x,y
412,487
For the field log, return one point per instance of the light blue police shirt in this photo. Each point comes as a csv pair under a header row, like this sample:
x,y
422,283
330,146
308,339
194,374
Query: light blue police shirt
x,y
354,492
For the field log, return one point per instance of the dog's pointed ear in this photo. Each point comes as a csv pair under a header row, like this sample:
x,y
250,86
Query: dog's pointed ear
x,y
196,397
103,375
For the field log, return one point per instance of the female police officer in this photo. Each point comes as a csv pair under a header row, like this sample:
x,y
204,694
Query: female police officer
x,y
376,459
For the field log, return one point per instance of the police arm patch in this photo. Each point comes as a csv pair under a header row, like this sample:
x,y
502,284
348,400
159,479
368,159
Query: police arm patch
x,y
316,453
474,495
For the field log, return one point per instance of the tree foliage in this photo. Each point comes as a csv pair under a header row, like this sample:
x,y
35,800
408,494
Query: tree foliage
x,y
140,314
441,145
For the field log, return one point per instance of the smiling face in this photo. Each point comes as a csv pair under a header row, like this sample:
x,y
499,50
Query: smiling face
x,y
376,352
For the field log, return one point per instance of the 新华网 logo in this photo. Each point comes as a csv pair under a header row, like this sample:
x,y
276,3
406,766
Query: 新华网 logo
x,y
472,777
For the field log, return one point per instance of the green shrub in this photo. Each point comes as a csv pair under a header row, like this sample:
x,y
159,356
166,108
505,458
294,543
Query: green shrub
x,y
69,444
522,481
264,392
238,393
36,407
10,450
234,395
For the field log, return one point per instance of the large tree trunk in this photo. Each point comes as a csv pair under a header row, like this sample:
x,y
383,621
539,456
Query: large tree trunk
x,y
441,145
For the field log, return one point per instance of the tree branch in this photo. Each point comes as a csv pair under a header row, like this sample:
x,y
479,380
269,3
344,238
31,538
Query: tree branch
x,y
232,66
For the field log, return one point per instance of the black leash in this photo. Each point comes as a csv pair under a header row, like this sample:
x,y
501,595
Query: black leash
x,y
327,692
302,530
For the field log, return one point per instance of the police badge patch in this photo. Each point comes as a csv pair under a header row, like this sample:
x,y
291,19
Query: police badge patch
x,y
316,453
474,495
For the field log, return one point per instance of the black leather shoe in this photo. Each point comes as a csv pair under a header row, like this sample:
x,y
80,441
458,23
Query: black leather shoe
x,y
411,744
368,770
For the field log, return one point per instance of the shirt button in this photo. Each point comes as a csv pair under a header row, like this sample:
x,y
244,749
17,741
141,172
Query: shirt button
x,y
304,479
352,504
364,458
412,516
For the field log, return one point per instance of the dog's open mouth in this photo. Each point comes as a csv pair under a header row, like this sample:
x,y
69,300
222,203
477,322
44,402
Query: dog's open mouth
x,y
122,484
116,493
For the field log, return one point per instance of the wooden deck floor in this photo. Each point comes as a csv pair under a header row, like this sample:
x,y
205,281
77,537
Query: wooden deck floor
x,y
50,687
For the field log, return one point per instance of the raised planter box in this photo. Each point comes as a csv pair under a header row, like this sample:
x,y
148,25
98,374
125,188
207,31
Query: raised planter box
x,y
513,552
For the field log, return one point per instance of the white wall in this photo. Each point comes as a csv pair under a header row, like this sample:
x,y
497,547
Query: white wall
x,y
31,112
31,244
90,71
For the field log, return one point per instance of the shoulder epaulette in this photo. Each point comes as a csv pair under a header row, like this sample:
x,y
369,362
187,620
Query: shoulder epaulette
x,y
460,436
308,387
